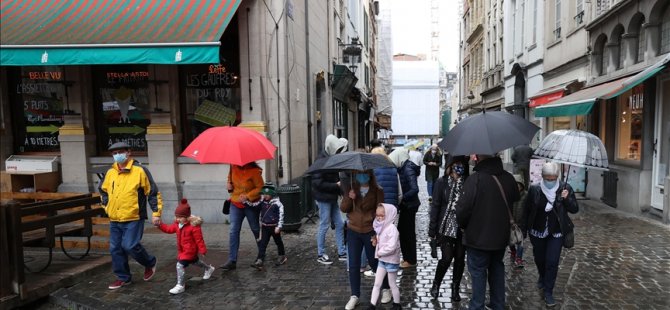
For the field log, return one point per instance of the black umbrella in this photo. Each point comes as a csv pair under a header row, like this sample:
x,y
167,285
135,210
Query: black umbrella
x,y
488,133
349,161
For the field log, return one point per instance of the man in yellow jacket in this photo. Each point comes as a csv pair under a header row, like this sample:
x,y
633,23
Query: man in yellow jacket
x,y
125,192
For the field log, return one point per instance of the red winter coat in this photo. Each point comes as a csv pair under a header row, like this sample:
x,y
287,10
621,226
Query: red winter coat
x,y
189,238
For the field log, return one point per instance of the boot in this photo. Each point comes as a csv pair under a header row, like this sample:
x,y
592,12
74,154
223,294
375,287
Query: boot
x,y
455,287
396,307
440,271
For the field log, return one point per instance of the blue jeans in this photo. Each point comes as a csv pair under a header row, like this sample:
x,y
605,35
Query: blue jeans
x,y
430,187
547,253
329,211
356,243
237,215
124,240
483,266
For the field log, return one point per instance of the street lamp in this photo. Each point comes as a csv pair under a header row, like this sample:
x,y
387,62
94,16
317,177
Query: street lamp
x,y
351,54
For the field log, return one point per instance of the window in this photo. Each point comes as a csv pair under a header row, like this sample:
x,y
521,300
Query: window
x,y
534,21
600,57
641,43
367,76
629,124
37,101
622,52
665,32
365,29
523,22
340,118
557,16
579,18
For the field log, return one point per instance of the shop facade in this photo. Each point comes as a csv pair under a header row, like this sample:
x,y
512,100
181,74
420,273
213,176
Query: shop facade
x,y
623,103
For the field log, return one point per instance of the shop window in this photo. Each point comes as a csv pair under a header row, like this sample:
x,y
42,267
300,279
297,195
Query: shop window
x,y
629,124
123,102
211,94
560,122
37,97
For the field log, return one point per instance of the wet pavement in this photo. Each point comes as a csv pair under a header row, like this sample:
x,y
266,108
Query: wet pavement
x,y
618,262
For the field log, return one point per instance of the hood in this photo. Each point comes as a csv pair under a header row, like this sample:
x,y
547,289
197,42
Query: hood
x,y
195,220
450,160
399,156
492,166
333,144
391,212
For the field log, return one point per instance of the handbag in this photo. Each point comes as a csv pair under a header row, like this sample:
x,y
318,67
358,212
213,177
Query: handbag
x,y
567,229
515,234
226,207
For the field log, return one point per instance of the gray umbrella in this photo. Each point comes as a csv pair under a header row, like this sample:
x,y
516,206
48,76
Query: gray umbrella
x,y
488,133
574,147
349,161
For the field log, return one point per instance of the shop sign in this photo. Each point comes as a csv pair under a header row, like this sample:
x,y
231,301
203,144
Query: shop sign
x,y
636,99
544,99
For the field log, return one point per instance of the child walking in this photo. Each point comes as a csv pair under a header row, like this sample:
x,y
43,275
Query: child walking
x,y
387,251
272,220
189,244
516,251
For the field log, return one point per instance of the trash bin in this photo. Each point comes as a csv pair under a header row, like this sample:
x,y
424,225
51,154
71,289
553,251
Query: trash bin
x,y
289,194
307,202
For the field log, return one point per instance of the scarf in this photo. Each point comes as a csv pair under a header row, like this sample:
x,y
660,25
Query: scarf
x,y
455,194
550,193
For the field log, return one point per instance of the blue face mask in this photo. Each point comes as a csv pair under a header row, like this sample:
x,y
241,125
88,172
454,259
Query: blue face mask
x,y
120,157
549,184
459,170
362,178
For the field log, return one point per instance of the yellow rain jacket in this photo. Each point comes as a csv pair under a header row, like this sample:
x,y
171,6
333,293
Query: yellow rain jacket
x,y
125,192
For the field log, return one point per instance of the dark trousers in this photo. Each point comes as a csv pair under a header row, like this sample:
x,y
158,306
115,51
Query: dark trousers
x,y
451,249
547,253
266,232
356,243
483,266
124,241
407,230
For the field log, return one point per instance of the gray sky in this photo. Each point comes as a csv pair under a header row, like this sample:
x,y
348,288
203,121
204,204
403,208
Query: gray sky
x,y
410,22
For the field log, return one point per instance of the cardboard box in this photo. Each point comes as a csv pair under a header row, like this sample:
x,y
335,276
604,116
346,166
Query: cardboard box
x,y
31,163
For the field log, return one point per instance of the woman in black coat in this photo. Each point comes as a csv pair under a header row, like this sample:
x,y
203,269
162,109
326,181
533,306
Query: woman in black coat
x,y
545,203
447,191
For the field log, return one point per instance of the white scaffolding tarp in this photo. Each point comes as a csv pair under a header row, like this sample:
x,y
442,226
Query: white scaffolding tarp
x,y
416,98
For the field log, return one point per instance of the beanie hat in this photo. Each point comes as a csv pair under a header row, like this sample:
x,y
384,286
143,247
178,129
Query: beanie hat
x,y
268,189
183,209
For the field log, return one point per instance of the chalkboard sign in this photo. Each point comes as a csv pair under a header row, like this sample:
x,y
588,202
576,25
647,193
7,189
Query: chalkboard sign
x,y
37,96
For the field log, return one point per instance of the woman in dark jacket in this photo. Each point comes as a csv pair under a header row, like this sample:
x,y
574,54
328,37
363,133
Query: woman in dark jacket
x,y
408,206
447,192
387,178
544,204
433,160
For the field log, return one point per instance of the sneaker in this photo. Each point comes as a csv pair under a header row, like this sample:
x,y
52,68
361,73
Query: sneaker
x,y
362,270
324,259
258,263
352,303
281,260
369,273
549,300
177,289
230,265
117,284
149,272
386,296
342,257
208,272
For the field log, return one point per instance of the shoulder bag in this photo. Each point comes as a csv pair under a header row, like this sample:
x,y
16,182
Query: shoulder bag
x,y
515,235
567,230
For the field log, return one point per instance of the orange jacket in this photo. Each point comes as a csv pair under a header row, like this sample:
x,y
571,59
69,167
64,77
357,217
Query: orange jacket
x,y
246,181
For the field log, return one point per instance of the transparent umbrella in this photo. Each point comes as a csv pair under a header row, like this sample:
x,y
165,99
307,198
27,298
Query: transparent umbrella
x,y
574,147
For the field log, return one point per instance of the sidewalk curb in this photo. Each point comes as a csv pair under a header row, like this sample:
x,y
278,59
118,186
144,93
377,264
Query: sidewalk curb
x,y
601,208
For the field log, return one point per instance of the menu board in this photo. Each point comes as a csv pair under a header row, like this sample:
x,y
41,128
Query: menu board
x,y
37,98
124,107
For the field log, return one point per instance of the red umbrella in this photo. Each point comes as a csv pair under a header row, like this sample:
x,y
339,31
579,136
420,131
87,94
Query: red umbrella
x,y
229,145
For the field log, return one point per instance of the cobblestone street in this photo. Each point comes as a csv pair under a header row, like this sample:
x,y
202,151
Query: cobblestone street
x,y
618,262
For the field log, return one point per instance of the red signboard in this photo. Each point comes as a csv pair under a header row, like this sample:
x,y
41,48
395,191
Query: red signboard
x,y
544,99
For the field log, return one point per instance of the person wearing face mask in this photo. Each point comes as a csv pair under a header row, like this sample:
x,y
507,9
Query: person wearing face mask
x,y
545,202
433,161
125,191
360,204
443,227
408,206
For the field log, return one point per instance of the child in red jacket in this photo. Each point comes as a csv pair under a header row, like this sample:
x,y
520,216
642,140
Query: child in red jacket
x,y
189,243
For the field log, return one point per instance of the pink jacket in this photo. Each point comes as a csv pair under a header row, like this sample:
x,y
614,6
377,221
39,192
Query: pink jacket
x,y
388,243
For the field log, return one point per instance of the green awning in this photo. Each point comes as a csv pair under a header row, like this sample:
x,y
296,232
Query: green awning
x,y
85,32
343,83
581,102
572,108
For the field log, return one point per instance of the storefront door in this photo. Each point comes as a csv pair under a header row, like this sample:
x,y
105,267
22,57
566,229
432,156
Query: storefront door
x,y
662,149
